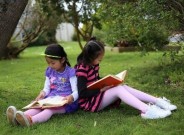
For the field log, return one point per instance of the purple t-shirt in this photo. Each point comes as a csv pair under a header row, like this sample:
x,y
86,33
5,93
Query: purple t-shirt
x,y
60,81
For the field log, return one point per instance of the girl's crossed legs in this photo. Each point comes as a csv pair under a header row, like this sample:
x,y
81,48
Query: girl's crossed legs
x,y
137,99
128,95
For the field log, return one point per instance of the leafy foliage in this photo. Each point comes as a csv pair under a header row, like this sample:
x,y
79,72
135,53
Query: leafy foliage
x,y
143,21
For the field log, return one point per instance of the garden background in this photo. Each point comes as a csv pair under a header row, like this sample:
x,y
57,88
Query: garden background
x,y
146,28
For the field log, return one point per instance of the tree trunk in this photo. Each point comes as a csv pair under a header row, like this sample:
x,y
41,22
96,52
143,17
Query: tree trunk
x,y
9,19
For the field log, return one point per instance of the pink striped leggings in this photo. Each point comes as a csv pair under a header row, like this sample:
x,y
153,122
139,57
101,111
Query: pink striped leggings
x,y
128,95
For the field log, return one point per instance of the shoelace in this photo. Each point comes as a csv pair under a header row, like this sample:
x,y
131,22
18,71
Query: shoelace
x,y
154,106
151,104
166,99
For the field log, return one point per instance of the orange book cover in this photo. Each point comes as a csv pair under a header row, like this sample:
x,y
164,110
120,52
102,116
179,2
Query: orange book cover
x,y
109,80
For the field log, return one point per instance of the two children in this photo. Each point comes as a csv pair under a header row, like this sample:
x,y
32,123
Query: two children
x,y
61,80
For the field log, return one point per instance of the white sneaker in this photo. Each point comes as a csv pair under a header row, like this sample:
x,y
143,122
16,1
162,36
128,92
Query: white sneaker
x,y
165,104
154,112
10,114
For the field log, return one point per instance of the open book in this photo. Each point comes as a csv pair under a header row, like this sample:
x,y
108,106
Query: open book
x,y
109,80
55,101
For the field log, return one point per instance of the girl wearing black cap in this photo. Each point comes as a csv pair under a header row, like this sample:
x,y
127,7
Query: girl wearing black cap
x,y
60,81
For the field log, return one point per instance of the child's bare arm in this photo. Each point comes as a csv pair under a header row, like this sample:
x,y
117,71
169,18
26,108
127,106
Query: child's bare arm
x,y
40,96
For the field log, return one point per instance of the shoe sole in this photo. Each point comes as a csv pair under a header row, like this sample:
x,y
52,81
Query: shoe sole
x,y
144,117
22,119
159,117
10,114
170,109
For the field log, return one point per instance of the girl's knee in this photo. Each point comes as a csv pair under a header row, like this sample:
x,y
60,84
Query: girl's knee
x,y
118,88
125,85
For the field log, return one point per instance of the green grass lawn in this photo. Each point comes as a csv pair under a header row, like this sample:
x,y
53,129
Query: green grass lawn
x,y
22,79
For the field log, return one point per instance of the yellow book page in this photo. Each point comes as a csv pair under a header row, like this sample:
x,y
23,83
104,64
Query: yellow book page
x,y
33,104
55,100
122,75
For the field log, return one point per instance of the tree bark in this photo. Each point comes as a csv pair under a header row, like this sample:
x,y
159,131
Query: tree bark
x,y
9,19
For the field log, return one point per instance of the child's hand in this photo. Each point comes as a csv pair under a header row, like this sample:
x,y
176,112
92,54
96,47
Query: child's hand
x,y
69,99
40,96
106,88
